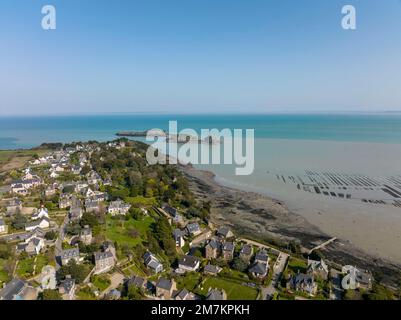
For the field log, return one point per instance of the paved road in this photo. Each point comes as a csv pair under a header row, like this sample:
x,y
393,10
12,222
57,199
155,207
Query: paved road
x,y
278,269
336,292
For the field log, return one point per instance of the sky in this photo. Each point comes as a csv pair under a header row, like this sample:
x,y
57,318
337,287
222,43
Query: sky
x,y
199,56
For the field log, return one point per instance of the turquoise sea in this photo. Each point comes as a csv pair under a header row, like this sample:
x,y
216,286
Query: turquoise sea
x,y
24,132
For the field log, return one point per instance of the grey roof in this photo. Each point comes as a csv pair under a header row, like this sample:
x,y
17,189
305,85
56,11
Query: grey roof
x,y
193,227
2,222
301,278
136,281
224,231
214,244
12,289
102,255
67,284
228,246
70,253
189,261
258,268
164,284
246,250
170,210
262,256
212,269
215,294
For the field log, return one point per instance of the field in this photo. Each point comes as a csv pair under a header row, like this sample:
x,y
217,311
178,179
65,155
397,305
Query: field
x,y
295,265
3,274
25,267
101,282
140,201
127,232
235,291
16,159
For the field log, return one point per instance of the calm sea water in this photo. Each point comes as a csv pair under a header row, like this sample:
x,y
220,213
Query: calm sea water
x,y
24,132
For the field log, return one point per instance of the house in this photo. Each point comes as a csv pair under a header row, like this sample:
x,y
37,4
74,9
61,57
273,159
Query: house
x,y
18,289
216,295
113,294
32,245
184,294
69,254
43,223
75,213
259,269
170,210
212,249
67,288
118,207
3,227
108,246
104,261
188,263
85,236
66,200
363,280
303,282
262,257
225,232
165,288
93,178
246,253
212,270
138,282
40,214
18,188
14,206
228,251
179,238
50,191
152,262
318,268
92,206
76,170
193,229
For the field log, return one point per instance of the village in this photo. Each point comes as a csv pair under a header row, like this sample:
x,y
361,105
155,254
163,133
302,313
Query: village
x,y
92,221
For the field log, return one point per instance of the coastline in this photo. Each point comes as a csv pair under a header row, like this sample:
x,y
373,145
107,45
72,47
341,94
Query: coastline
x,y
258,216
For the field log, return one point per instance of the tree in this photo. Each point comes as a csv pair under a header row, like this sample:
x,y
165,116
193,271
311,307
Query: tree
x,y
51,295
51,235
239,264
77,271
19,221
89,219
134,293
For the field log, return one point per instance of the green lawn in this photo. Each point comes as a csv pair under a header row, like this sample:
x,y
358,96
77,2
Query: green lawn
x,y
120,231
295,265
101,282
190,281
85,293
140,201
25,267
3,274
234,291
41,261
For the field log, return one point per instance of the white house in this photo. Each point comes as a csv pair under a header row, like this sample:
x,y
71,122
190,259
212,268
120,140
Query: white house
x,y
189,263
118,207
43,223
42,213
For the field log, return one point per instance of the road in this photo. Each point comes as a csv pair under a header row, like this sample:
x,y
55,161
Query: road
x,y
337,291
60,240
278,269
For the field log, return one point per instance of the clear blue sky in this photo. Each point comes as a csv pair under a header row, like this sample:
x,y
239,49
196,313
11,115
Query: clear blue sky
x,y
199,56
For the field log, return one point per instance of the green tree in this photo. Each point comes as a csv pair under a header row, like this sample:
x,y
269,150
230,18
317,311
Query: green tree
x,y
48,294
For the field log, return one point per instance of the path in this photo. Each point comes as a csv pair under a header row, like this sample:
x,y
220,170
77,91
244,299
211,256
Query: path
x,y
320,246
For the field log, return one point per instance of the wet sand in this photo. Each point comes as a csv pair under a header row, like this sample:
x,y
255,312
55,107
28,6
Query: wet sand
x,y
365,240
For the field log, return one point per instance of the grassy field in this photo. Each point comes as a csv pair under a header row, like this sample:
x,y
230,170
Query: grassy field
x,y
234,291
101,282
140,201
3,274
16,159
127,232
295,265
190,281
25,267
85,293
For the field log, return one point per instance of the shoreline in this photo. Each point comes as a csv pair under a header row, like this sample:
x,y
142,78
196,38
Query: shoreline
x,y
266,219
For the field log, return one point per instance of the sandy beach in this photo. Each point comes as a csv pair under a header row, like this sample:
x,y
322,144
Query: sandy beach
x,y
365,240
